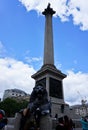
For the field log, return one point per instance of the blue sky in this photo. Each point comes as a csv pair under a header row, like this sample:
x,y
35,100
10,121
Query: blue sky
x,y
22,44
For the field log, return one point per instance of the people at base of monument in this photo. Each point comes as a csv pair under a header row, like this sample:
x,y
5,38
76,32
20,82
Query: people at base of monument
x,y
60,125
65,123
85,119
84,122
3,119
28,120
56,116
68,123
24,115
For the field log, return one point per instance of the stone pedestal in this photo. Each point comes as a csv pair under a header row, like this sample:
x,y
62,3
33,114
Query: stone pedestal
x,y
13,123
46,123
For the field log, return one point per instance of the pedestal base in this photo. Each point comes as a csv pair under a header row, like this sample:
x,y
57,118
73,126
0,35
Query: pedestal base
x,y
46,123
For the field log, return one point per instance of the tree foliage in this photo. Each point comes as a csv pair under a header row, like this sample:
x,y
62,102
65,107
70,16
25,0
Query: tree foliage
x,y
11,106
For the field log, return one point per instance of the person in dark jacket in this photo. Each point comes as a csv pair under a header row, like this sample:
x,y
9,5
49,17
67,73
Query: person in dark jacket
x,y
60,125
3,119
68,123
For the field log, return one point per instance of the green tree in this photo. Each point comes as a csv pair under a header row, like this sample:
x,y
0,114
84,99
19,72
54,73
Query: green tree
x,y
11,106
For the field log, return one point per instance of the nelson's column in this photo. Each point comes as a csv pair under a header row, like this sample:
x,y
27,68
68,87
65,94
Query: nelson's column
x,y
49,76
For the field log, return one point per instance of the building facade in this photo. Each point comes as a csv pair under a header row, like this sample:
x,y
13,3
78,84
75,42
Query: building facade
x,y
14,93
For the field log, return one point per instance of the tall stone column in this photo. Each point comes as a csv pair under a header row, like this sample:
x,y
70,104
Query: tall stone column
x,y
48,40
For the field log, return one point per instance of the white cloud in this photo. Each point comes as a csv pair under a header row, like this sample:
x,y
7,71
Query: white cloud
x,y
58,65
75,87
78,9
33,59
15,74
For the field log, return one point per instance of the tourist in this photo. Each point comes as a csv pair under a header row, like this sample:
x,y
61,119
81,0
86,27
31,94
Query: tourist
x,y
68,123
28,121
56,116
60,125
3,119
84,123
24,116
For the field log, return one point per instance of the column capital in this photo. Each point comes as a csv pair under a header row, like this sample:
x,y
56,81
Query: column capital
x,y
48,10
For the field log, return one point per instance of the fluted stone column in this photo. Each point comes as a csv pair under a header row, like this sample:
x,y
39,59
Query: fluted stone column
x,y
48,40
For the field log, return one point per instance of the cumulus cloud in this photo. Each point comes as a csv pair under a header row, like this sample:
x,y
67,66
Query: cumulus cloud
x,y
15,74
78,9
33,59
75,87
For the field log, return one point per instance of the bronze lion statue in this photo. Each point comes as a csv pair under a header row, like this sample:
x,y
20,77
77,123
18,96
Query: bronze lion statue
x,y
38,106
